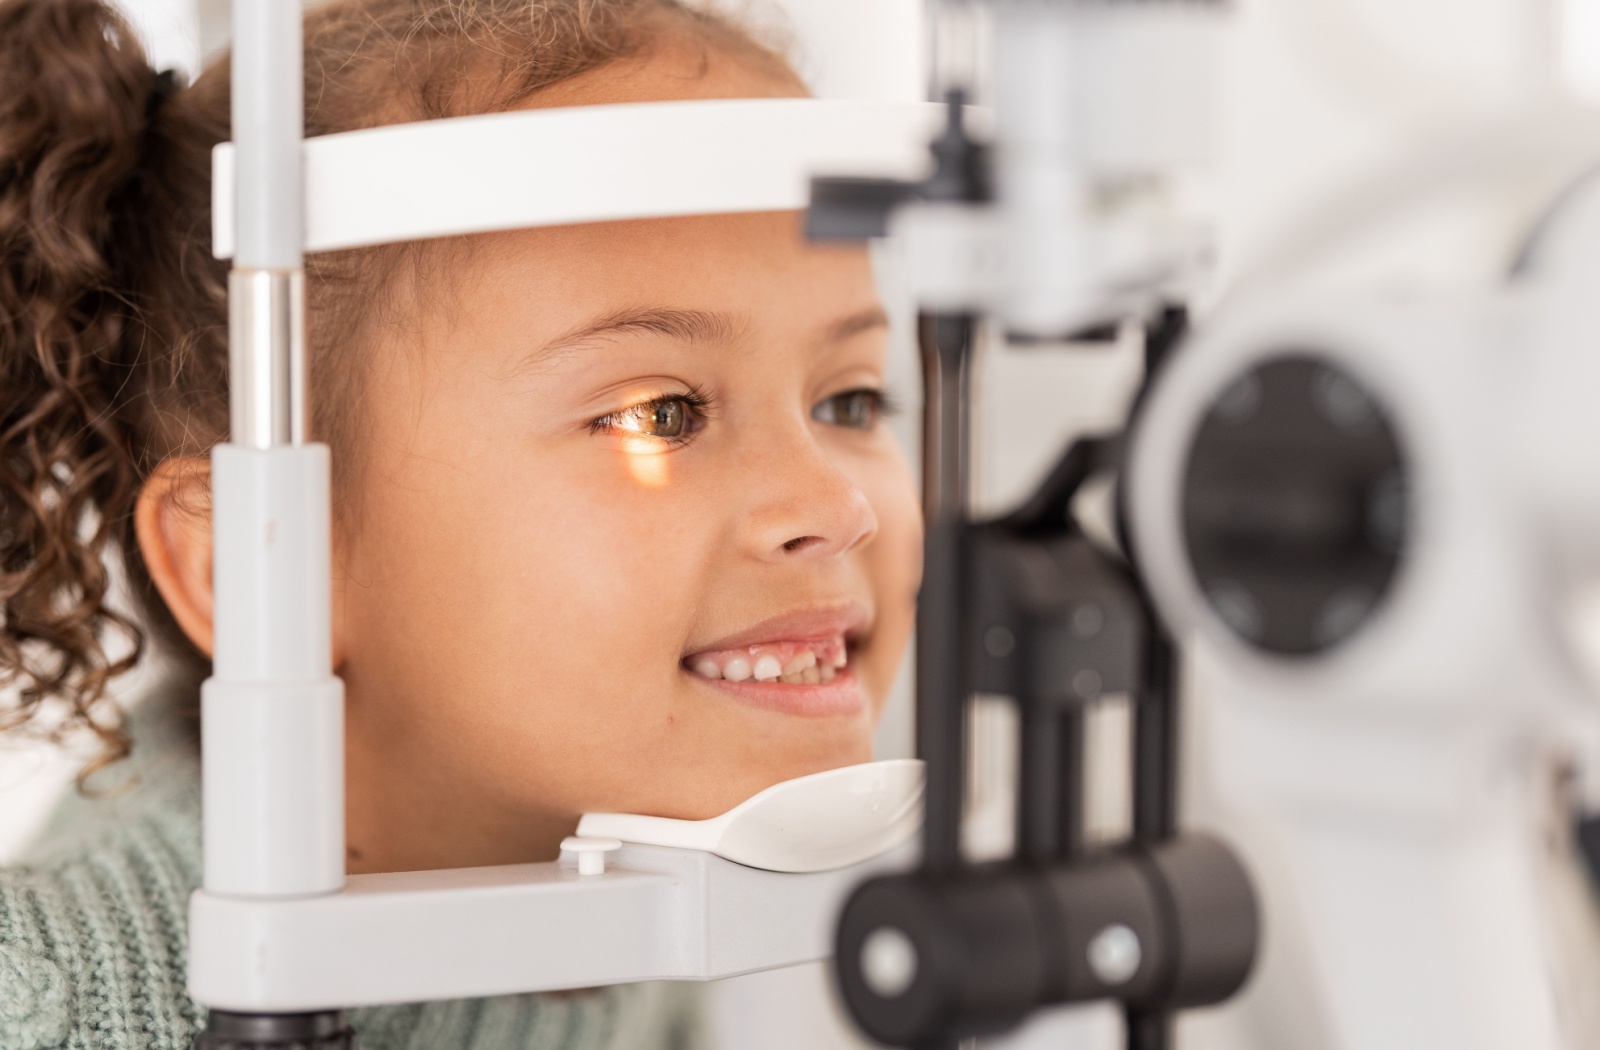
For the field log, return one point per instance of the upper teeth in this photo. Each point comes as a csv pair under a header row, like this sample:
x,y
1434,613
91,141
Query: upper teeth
x,y
795,663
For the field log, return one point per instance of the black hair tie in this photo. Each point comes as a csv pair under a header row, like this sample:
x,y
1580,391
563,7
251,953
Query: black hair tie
x,y
166,84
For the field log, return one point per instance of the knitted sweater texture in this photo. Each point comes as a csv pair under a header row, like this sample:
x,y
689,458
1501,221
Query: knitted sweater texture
x,y
92,940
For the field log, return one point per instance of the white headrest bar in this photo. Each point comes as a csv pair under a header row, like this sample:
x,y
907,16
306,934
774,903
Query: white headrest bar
x,y
584,164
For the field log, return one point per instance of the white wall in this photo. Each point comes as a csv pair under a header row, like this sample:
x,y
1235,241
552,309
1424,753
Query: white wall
x,y
32,777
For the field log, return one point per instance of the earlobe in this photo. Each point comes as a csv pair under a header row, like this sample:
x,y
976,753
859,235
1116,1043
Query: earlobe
x,y
173,522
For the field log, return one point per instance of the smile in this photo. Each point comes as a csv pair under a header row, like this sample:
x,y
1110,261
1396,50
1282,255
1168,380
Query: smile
x,y
808,662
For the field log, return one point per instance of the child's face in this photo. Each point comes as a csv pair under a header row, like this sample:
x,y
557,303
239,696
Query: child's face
x,y
600,464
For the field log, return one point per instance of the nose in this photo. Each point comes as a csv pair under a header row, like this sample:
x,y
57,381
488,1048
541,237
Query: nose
x,y
805,506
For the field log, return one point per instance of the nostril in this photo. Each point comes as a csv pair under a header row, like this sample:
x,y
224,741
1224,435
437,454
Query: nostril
x,y
800,543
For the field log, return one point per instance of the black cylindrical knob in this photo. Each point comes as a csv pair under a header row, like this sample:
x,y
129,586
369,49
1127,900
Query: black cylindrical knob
x,y
1217,919
925,957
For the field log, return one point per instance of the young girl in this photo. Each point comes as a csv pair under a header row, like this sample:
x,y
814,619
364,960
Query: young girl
x,y
617,526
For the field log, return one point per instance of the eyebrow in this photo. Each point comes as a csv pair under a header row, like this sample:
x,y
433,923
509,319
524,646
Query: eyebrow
x,y
692,326
689,326
873,317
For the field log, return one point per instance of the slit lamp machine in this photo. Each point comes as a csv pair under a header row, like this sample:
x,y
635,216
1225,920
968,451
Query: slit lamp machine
x,y
1368,511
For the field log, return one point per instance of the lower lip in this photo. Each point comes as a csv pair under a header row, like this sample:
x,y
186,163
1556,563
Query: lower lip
x,y
842,696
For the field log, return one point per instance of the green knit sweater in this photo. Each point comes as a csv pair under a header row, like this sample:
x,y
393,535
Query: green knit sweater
x,y
92,939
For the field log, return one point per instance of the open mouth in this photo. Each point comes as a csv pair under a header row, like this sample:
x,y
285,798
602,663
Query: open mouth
x,y
811,662
802,662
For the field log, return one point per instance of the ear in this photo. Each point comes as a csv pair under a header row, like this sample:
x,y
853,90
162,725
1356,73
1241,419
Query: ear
x,y
173,523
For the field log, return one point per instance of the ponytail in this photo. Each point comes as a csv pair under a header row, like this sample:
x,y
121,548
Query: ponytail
x,y
76,106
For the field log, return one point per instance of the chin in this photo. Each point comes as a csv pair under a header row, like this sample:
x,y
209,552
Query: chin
x,y
717,792
800,765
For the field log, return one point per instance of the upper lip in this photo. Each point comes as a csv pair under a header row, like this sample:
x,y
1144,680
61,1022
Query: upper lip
x,y
813,623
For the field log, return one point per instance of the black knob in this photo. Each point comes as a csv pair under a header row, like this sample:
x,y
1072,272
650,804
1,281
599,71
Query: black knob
x,y
923,957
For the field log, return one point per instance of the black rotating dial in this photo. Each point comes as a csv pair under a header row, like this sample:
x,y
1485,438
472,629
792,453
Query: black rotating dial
x,y
1295,505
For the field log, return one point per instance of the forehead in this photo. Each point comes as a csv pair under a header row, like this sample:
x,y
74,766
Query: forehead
x,y
757,264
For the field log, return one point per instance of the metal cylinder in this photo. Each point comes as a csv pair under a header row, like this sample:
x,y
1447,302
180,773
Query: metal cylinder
x,y
266,358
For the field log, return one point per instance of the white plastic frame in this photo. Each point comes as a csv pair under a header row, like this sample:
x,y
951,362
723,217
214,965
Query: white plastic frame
x,y
656,913
551,167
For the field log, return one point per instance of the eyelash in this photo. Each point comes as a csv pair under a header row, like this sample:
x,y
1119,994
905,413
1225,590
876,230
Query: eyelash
x,y
698,401
884,405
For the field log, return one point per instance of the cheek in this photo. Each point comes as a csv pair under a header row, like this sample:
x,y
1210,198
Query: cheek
x,y
620,555
533,645
612,565
552,595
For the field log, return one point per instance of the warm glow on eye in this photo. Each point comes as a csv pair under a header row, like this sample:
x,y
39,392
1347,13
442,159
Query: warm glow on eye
x,y
647,431
668,418
645,461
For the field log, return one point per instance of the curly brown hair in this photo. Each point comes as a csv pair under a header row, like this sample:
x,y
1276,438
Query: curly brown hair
x,y
113,313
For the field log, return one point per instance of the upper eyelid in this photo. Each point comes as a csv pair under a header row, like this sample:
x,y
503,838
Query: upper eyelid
x,y
855,376
880,392
697,396
700,405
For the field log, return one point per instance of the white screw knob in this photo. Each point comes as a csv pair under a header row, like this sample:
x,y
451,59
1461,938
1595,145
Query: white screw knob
x,y
1114,954
591,852
888,962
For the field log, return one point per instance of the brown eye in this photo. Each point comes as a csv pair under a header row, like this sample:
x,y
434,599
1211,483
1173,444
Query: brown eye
x,y
671,418
855,409
664,419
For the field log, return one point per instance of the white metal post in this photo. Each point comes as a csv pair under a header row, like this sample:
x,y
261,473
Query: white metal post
x,y
272,712
1040,167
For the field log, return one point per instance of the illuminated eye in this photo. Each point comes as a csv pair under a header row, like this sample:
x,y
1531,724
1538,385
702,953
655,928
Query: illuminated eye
x,y
856,409
667,418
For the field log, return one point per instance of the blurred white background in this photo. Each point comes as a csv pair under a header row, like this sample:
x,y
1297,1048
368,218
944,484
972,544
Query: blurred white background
x,y
1316,93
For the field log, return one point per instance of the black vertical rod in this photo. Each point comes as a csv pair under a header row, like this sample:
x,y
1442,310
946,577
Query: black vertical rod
x,y
1155,741
944,606
1071,774
1155,745
1051,782
1148,1030
1155,791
